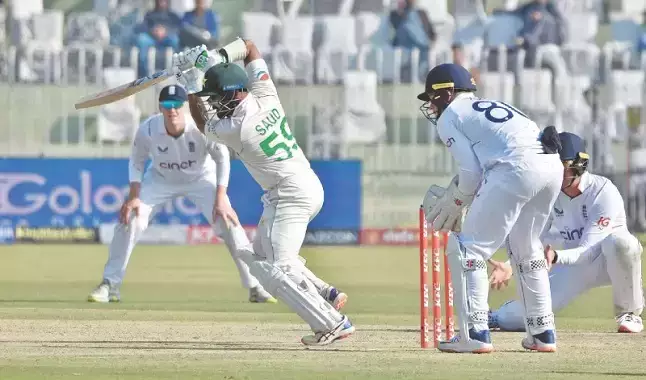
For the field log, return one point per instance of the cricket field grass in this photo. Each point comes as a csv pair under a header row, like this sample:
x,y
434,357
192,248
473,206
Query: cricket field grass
x,y
184,315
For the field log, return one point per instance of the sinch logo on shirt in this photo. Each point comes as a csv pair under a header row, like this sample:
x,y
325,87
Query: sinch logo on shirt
x,y
177,165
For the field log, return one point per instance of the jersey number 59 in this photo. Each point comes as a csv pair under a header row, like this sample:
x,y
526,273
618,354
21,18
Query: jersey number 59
x,y
283,142
503,110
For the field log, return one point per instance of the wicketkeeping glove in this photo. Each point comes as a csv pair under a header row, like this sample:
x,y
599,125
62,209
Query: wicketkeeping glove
x,y
448,211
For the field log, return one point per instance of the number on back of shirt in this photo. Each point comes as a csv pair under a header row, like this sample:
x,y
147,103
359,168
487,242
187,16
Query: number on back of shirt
x,y
283,142
497,112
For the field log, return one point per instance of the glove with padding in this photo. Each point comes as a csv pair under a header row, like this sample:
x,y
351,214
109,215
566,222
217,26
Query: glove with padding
x,y
191,79
198,57
449,209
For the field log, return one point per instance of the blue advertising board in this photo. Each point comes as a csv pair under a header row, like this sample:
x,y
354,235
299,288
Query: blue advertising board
x,y
41,192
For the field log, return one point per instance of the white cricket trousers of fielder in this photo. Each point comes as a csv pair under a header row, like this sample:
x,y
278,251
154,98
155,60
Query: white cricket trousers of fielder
x,y
512,205
154,194
288,210
616,260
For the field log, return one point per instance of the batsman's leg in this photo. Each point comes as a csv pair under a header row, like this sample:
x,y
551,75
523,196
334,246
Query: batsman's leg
x,y
203,194
622,252
334,296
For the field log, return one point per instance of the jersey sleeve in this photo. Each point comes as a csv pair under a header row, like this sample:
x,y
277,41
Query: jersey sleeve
x,y
461,150
220,154
602,216
140,152
260,83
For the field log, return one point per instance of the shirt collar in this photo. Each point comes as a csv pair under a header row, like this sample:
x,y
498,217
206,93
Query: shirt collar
x,y
585,182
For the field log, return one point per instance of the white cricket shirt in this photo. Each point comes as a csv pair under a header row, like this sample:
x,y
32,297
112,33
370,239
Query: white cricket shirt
x,y
177,159
578,223
258,132
481,133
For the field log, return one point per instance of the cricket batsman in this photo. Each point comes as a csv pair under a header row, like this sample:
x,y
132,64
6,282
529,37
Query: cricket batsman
x,y
241,109
588,223
184,163
509,176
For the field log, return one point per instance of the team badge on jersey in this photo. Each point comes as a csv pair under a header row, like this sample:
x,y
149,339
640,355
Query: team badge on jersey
x,y
191,146
584,212
262,75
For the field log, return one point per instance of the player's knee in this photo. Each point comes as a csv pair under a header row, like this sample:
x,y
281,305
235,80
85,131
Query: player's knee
x,y
620,245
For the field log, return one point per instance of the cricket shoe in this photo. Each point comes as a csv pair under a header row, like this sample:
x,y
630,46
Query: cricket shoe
x,y
479,343
343,330
260,295
104,293
334,297
543,342
629,323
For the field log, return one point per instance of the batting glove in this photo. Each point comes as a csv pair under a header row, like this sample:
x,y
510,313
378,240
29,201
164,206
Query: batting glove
x,y
197,57
191,80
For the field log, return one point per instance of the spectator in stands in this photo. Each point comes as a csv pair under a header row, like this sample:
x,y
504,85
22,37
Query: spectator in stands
x,y
200,26
413,30
543,24
159,30
641,45
460,58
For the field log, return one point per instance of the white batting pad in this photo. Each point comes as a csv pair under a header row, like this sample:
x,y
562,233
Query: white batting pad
x,y
302,298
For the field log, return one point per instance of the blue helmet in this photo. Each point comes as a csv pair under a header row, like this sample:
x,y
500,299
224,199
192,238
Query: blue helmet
x,y
573,152
442,83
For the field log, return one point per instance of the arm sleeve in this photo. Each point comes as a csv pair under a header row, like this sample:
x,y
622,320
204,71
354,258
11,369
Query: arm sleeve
x,y
220,154
460,147
600,225
140,153
260,84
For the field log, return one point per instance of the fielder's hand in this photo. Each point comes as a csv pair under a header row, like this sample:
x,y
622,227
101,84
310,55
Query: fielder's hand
x,y
222,209
448,212
500,274
131,205
549,256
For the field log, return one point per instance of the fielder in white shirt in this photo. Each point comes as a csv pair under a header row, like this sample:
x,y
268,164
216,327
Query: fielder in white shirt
x,y
510,175
241,109
588,225
183,163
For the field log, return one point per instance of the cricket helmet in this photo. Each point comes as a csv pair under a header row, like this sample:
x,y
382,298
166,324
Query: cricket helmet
x,y
573,153
442,84
220,85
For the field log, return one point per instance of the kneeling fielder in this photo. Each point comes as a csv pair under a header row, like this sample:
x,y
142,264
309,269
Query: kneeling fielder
x,y
589,223
183,164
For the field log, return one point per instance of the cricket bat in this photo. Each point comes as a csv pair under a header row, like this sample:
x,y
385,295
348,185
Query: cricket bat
x,y
115,94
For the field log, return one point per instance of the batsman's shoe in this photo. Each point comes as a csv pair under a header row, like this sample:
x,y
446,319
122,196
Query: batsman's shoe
x,y
543,342
104,293
493,320
334,297
260,295
629,323
343,330
479,343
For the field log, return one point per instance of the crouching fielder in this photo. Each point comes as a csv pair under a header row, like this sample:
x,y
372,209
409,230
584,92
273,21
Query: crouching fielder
x,y
502,156
242,110
589,223
183,164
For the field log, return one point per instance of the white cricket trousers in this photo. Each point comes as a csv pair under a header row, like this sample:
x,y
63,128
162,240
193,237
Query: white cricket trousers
x,y
154,194
512,206
615,261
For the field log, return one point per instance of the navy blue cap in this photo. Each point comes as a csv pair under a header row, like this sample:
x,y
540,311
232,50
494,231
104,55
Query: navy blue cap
x,y
571,146
173,92
447,75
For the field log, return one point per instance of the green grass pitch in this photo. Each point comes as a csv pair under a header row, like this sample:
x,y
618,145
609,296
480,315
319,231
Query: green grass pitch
x,y
184,315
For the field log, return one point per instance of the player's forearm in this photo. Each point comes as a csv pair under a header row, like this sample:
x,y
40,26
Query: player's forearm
x,y
223,171
221,193
196,112
135,188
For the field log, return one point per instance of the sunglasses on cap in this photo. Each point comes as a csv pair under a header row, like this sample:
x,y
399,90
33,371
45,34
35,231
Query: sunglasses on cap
x,y
170,104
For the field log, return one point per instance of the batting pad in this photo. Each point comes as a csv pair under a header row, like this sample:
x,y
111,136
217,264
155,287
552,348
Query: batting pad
x,y
536,299
303,298
470,284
